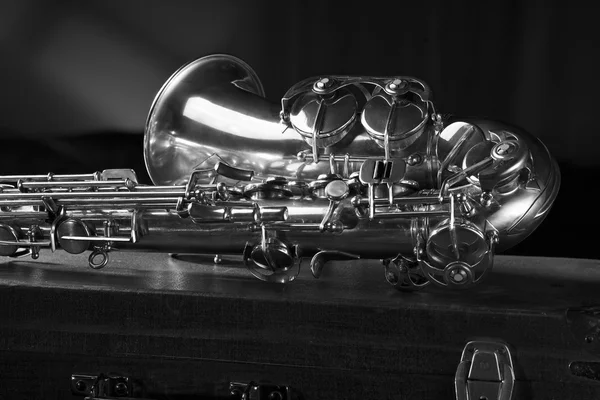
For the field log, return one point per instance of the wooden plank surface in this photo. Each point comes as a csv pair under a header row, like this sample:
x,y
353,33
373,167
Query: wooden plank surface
x,y
527,284
350,320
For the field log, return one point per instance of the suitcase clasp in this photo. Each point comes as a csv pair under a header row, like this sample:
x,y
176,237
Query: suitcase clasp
x,y
255,391
105,386
116,386
485,372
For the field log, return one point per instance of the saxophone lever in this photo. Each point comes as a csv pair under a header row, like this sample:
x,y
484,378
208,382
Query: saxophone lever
x,y
118,173
317,263
272,260
375,171
336,191
510,158
236,174
404,274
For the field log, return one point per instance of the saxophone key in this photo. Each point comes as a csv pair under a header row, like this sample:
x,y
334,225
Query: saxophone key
x,y
73,235
9,238
377,171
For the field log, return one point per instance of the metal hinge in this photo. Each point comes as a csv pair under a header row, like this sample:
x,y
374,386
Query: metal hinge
x,y
254,391
485,372
105,386
115,386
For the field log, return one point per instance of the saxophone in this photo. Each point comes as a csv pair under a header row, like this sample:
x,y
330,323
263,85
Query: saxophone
x,y
344,167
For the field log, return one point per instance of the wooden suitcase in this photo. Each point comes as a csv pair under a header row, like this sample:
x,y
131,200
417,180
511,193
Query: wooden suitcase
x,y
156,327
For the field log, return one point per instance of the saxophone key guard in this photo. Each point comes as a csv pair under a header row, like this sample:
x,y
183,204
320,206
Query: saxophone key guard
x,y
272,261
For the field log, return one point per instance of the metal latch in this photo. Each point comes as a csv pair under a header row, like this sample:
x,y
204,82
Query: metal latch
x,y
254,391
105,386
485,372
114,386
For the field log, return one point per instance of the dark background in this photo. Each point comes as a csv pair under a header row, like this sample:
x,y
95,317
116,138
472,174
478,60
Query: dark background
x,y
77,78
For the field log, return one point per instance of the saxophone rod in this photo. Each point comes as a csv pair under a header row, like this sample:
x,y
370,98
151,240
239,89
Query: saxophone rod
x,y
414,200
155,202
75,184
411,214
90,195
48,177
325,157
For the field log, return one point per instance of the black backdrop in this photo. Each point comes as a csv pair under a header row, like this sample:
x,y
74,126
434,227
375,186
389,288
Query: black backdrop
x,y
78,78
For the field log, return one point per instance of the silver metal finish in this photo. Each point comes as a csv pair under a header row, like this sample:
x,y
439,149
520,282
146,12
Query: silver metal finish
x,y
104,386
119,386
344,167
485,372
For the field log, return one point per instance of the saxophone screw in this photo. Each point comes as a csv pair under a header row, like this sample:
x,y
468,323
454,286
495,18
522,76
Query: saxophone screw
x,y
284,117
414,159
495,239
253,227
129,184
486,199
335,227
504,148
218,259
437,118
301,156
465,207
458,276
323,84
395,84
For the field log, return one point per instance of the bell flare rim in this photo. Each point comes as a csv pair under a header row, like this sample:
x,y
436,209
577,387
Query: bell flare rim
x,y
256,86
211,57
